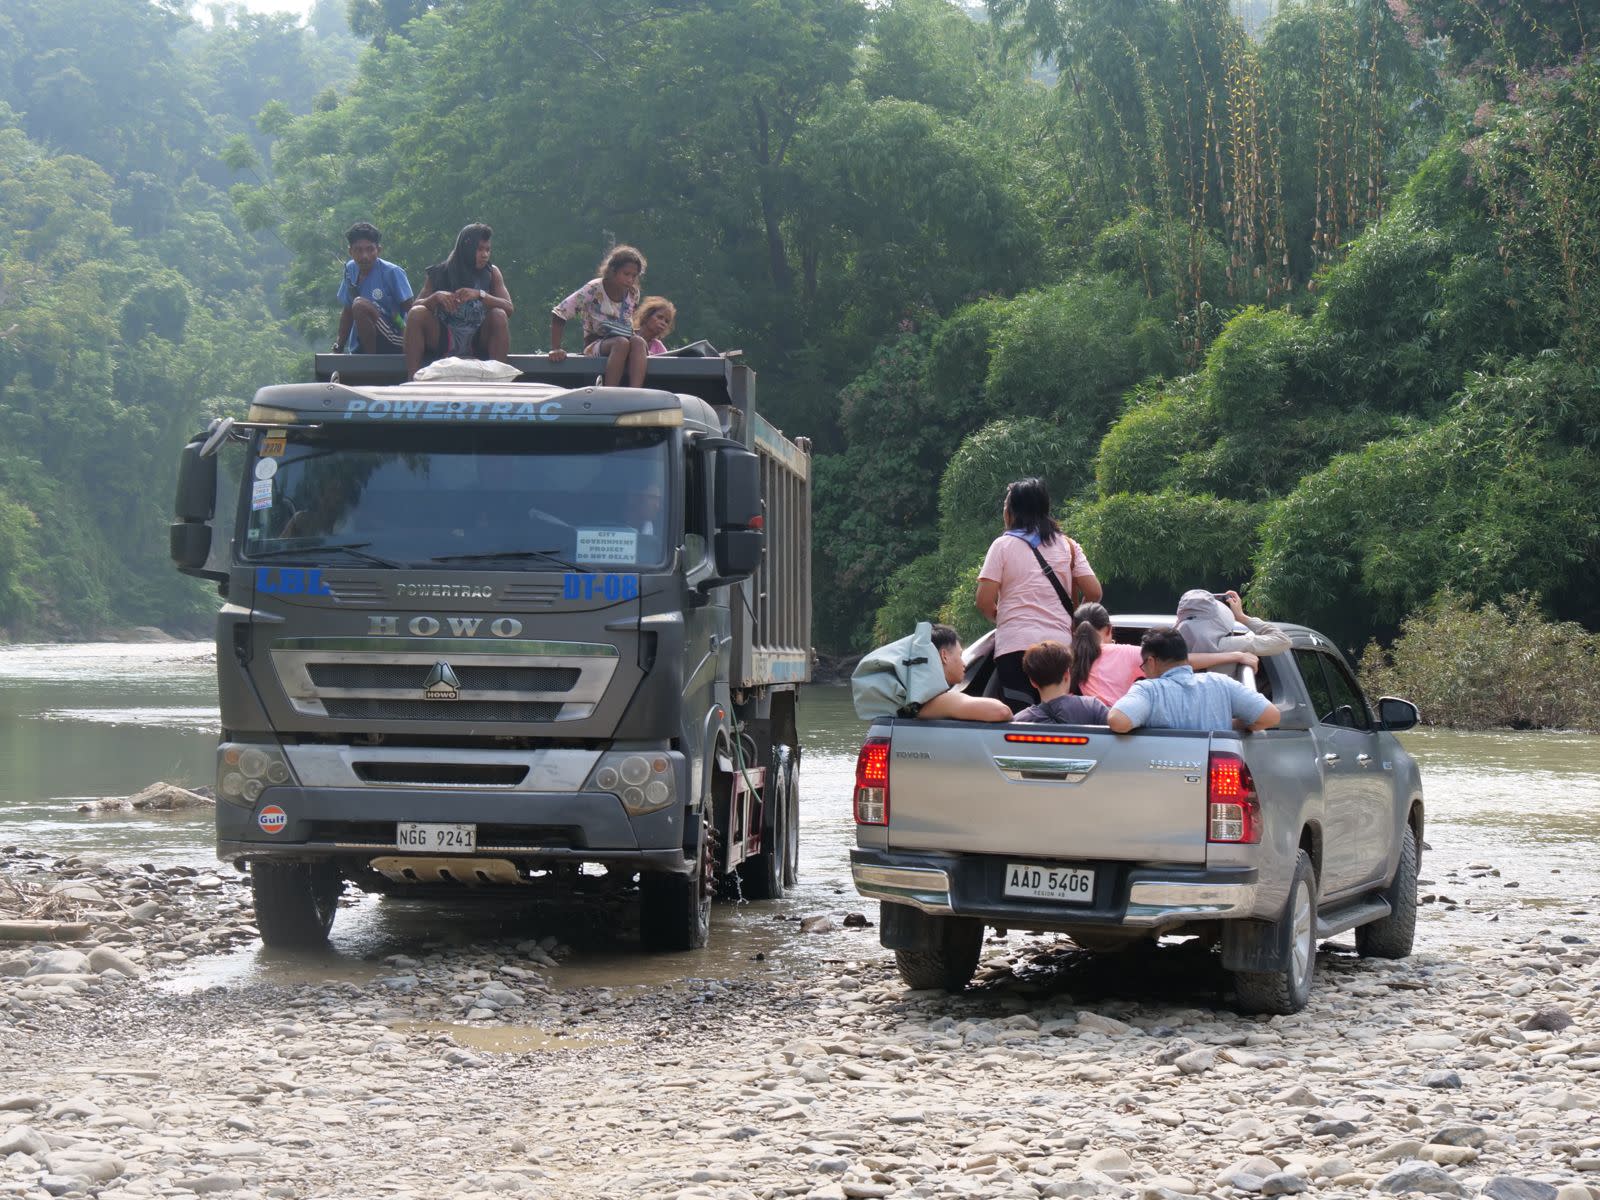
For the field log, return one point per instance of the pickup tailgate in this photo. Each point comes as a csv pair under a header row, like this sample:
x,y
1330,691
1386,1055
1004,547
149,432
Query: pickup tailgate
x,y
993,789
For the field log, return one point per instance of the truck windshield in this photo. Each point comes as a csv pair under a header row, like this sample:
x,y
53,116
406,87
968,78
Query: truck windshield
x,y
464,499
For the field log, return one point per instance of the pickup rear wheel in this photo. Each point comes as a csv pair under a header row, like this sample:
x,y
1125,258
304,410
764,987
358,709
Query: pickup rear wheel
x,y
950,965
1287,989
295,902
1391,936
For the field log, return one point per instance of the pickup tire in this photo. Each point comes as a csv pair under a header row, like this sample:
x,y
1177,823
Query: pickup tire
x,y
1391,936
951,964
1287,989
295,902
762,876
675,910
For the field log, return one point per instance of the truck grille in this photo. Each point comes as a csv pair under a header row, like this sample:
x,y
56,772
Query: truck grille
x,y
440,710
363,677
443,680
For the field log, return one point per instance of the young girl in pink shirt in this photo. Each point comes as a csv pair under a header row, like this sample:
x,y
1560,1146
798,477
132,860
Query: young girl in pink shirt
x,y
1101,667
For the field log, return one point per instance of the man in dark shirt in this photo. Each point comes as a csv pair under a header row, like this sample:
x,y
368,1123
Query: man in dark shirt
x,y
1047,664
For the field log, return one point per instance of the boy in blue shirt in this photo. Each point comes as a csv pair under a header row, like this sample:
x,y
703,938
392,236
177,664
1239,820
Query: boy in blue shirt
x,y
375,294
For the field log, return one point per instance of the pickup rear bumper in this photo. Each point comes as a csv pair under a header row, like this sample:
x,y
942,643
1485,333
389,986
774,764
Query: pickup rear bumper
x,y
1125,894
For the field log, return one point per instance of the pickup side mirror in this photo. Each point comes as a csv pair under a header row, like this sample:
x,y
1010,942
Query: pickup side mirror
x,y
1397,715
189,537
738,537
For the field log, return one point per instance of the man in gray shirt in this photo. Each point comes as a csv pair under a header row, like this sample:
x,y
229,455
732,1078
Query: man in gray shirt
x,y
1172,696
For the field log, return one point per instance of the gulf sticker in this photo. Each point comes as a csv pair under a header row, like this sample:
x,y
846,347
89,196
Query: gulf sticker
x,y
272,819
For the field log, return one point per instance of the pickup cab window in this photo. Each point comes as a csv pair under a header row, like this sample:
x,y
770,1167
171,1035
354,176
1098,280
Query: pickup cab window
x,y
1334,695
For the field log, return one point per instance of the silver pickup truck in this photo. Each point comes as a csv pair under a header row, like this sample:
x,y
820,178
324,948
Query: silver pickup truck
x,y
1261,843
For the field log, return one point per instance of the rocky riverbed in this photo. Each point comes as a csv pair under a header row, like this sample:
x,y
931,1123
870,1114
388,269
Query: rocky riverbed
x,y
1471,1069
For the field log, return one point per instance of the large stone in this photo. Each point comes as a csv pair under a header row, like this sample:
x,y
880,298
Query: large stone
x,y
1553,1019
221,1181
1461,1135
1099,1023
1515,1187
91,1165
1196,1062
60,962
105,958
1443,1080
1284,1183
23,1100
1421,1177
19,1139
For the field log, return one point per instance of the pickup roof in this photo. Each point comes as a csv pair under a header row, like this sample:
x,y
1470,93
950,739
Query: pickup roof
x,y
1262,842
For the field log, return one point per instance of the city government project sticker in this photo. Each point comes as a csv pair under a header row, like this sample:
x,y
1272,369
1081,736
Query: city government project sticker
x,y
272,819
607,545
260,495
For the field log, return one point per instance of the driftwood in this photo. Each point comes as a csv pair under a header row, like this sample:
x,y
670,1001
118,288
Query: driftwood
x,y
43,931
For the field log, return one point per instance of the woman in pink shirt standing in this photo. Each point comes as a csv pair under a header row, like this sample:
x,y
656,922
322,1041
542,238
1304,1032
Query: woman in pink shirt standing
x,y
1101,667
1028,602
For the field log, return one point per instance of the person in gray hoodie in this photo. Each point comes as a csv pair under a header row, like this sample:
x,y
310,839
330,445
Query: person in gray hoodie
x,y
1208,622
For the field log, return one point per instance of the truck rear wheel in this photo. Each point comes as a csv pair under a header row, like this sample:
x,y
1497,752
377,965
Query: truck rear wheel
x,y
1287,989
951,963
1391,936
675,910
791,843
762,876
295,902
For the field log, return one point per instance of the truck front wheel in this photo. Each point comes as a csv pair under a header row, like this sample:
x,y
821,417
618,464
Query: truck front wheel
x,y
1287,989
950,962
295,902
675,910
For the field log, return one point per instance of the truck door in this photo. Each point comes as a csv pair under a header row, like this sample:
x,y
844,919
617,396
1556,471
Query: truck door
x,y
1345,748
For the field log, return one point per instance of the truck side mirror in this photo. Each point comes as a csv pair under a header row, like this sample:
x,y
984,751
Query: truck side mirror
x,y
1397,715
189,537
738,537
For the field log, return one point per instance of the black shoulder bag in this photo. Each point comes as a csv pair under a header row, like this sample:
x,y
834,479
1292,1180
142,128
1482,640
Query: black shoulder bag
x,y
1055,582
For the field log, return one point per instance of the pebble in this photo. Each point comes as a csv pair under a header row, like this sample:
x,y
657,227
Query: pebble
x,y
1421,1177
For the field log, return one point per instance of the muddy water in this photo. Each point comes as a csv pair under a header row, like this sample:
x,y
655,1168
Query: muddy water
x,y
93,720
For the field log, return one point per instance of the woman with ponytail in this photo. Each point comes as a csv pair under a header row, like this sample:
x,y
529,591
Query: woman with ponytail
x,y
1101,667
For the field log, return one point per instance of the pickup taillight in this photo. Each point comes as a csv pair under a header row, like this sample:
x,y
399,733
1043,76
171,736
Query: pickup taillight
x,y
872,782
1233,813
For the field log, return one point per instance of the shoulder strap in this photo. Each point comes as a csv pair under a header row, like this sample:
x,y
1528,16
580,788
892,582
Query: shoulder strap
x,y
1050,574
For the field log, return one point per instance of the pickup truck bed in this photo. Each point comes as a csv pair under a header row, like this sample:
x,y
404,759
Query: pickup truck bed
x,y
1263,842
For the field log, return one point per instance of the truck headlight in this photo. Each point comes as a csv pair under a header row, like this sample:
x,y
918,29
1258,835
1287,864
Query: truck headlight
x,y
644,780
245,771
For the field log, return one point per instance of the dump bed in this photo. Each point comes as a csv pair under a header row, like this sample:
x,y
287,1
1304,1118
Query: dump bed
x,y
1048,791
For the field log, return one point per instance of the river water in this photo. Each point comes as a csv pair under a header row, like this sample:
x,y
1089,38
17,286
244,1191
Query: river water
x,y
81,721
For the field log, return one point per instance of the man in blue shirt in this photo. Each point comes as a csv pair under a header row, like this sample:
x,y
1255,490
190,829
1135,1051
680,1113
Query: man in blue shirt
x,y
375,294
1172,696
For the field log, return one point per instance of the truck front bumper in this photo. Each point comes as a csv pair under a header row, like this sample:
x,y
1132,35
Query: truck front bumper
x,y
1125,894
308,823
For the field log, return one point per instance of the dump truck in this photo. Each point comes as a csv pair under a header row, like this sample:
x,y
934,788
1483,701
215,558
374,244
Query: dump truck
x,y
528,634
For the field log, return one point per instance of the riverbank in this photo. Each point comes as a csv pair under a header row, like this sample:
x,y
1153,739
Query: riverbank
x,y
475,1071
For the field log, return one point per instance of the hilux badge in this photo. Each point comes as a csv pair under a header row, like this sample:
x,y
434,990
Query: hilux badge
x,y
441,683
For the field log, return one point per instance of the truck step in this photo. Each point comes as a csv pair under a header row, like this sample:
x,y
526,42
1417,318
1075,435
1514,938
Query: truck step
x,y
1351,915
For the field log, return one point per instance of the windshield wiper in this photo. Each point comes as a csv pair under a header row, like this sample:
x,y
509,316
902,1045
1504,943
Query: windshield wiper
x,y
490,555
353,549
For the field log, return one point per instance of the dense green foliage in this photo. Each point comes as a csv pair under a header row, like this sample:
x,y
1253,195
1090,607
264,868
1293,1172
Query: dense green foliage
x,y
132,301
1306,303
1492,666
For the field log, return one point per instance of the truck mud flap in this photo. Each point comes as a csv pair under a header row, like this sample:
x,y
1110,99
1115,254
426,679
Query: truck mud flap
x,y
1254,946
